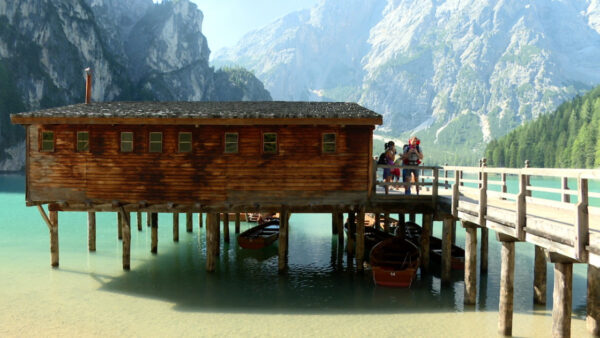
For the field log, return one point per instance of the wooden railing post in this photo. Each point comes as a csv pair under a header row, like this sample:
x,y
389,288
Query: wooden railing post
x,y
482,220
434,190
503,187
527,180
566,198
521,207
582,221
445,177
456,192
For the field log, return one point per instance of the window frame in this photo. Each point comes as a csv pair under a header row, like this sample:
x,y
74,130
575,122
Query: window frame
x,y
121,141
190,142
77,141
265,143
323,143
42,141
237,143
150,142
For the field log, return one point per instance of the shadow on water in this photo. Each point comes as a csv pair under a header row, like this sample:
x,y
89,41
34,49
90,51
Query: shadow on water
x,y
248,281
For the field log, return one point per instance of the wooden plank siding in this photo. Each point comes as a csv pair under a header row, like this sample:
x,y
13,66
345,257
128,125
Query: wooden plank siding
x,y
299,171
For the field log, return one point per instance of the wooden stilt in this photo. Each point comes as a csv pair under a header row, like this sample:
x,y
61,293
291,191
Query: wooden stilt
x,y
562,297
199,220
593,300
283,240
425,235
401,230
154,227
139,220
386,221
539,276
175,227
148,219
412,218
119,226
470,263
340,229
189,222
507,277
212,228
126,231
91,231
454,232
360,240
351,233
237,222
483,264
447,249
226,227
333,223
54,238
218,234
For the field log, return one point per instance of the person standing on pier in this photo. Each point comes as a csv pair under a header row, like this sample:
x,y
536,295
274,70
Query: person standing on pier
x,y
390,156
412,155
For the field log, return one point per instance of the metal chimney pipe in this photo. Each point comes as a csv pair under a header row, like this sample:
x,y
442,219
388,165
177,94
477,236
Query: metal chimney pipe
x,y
88,85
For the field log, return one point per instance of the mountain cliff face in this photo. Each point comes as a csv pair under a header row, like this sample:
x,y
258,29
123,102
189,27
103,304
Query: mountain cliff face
x,y
458,73
138,50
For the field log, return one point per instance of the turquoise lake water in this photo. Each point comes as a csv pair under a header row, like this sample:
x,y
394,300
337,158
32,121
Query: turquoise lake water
x,y
170,294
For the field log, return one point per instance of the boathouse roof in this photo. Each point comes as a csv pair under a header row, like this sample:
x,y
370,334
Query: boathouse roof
x,y
246,112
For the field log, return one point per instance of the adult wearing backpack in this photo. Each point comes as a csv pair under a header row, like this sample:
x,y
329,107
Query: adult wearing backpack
x,y
388,158
411,155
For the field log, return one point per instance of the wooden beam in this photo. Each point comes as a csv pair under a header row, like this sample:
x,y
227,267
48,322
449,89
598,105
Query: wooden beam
x,y
562,300
539,276
175,227
91,231
593,300
154,227
333,223
456,193
507,277
189,222
447,249
54,238
126,235
139,220
483,263
283,240
200,220
212,228
119,226
237,222
470,263
148,219
582,221
226,227
427,229
45,217
351,233
340,229
360,239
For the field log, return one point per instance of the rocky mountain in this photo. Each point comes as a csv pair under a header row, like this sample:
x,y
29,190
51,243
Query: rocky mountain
x,y
457,73
138,50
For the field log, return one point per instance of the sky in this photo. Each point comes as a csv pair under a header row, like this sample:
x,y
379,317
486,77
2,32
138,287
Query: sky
x,y
226,21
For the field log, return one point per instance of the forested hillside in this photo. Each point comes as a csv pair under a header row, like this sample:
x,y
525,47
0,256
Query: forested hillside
x,y
566,138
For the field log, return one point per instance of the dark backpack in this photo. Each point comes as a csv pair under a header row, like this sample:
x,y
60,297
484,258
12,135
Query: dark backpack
x,y
382,159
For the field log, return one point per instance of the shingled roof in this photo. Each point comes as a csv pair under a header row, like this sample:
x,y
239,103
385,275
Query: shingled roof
x,y
130,112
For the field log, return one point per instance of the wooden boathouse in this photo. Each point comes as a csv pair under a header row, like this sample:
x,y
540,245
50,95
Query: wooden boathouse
x,y
295,157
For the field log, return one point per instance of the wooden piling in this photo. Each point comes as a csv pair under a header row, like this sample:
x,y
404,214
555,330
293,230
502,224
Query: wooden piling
x,y
154,227
562,298
360,240
507,277
340,229
189,222
412,217
139,220
237,222
91,231
425,238
126,231
148,219
283,240
199,220
334,228
386,222
212,228
539,276
53,216
593,300
351,233
175,227
447,249
226,227
483,263
470,263
119,226
454,232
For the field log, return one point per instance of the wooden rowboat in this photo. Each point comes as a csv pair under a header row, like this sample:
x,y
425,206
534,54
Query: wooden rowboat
x,y
259,236
457,260
394,262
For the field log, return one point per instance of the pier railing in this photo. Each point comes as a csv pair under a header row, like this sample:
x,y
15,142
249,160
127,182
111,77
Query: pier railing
x,y
427,183
548,207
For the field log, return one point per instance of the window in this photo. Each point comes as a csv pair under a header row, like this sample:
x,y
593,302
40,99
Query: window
x,y
156,142
328,143
231,143
83,141
126,141
185,142
48,141
270,143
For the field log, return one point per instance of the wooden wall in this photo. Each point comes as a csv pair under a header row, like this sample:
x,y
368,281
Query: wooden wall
x,y
299,172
